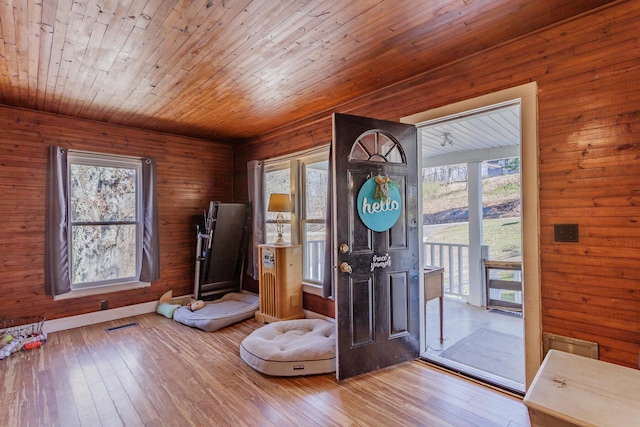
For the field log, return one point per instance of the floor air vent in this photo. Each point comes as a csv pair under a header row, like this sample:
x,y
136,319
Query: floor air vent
x,y
117,328
569,345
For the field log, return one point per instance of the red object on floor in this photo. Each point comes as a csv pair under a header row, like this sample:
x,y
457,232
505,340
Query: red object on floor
x,y
32,345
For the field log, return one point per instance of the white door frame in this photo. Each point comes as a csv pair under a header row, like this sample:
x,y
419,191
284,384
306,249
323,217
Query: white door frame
x,y
527,94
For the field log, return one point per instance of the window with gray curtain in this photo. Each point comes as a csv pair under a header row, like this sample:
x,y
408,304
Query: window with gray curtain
x,y
306,176
102,227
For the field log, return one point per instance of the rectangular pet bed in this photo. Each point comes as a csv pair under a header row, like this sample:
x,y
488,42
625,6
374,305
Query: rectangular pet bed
x,y
231,308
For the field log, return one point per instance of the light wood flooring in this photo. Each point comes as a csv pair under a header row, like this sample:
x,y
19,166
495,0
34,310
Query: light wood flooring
x,y
162,373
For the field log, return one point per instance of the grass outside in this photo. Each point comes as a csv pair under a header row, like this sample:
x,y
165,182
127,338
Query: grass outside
x,y
502,235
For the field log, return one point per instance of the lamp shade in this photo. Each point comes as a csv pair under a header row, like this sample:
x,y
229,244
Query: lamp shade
x,y
279,203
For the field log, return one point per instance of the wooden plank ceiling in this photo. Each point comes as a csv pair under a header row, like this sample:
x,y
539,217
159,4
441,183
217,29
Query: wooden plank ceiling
x,y
235,69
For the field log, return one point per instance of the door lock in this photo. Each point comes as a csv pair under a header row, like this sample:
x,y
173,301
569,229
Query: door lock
x,y
344,248
345,267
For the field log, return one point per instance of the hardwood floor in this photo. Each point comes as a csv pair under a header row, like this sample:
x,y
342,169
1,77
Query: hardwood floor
x,y
162,373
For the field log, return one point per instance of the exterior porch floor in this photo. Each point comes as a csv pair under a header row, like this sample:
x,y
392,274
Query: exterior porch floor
x,y
491,341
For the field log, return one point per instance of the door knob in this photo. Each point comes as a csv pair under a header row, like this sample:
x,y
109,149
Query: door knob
x,y
345,267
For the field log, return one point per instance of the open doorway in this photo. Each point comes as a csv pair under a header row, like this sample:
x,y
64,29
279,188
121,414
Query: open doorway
x,y
472,243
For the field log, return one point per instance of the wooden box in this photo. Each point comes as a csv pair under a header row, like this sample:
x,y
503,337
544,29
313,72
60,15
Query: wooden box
x,y
572,390
280,283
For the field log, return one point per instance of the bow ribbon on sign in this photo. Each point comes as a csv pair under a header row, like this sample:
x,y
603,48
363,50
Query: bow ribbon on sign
x,y
382,190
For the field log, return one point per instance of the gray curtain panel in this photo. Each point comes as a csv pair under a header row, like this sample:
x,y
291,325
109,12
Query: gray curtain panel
x,y
56,256
150,271
255,180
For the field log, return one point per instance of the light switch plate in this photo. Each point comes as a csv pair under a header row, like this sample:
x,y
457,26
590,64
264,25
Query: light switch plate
x,y
565,232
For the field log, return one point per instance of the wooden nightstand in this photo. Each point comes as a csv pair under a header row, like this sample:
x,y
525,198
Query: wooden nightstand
x,y
280,283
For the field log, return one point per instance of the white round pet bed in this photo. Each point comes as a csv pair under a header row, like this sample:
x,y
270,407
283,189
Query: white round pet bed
x,y
231,308
292,348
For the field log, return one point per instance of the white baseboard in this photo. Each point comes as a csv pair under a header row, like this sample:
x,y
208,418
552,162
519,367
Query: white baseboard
x,y
87,319
71,322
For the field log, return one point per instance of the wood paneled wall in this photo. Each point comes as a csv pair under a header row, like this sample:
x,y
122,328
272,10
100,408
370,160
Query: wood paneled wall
x,y
588,75
190,172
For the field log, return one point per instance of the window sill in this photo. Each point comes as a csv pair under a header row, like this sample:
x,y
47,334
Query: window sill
x,y
101,290
312,289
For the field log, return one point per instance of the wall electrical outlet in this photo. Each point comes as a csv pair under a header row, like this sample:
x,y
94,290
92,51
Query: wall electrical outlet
x,y
104,305
565,232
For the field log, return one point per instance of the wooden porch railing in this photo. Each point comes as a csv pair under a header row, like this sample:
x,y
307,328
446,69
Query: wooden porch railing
x,y
454,258
504,286
314,260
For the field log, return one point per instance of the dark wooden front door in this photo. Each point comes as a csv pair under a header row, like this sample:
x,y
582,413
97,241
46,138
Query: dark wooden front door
x,y
377,283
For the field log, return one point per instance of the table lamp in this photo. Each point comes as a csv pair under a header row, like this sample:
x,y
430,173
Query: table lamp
x,y
279,203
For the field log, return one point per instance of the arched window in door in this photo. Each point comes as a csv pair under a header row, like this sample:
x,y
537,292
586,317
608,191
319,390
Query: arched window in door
x,y
377,146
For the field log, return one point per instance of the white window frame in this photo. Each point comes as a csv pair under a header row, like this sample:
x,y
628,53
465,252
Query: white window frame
x,y
296,163
277,165
114,161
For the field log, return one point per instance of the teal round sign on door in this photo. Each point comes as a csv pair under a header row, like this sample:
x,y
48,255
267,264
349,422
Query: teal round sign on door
x,y
378,207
